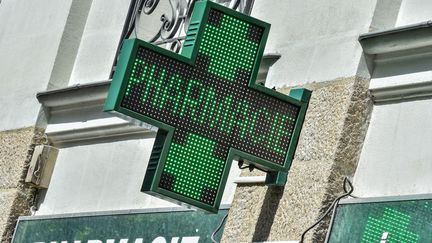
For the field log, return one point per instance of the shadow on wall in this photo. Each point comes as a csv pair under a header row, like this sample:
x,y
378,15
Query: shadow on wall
x,y
268,211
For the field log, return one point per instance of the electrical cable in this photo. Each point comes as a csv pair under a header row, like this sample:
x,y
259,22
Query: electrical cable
x,y
251,167
351,195
332,205
240,165
218,228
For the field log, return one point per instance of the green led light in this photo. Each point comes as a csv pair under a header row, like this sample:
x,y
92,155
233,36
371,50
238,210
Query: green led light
x,y
185,157
221,51
395,223
392,221
207,106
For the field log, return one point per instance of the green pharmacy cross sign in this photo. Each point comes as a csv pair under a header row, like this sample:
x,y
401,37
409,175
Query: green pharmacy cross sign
x,y
399,219
207,106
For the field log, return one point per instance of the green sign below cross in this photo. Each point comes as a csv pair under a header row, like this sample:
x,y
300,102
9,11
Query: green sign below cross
x,y
207,106
382,219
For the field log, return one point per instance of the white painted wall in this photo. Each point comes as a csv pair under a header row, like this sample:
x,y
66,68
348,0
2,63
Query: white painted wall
x,y
99,177
317,39
414,11
99,41
106,176
397,155
30,33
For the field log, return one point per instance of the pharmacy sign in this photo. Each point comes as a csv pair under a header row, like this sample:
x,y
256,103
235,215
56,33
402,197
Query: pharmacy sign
x,y
207,106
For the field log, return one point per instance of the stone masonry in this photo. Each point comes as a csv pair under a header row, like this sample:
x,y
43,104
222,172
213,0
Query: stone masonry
x,y
328,150
16,197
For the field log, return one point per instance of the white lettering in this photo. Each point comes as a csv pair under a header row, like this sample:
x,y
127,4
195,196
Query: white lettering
x,y
384,237
121,241
175,240
159,239
190,239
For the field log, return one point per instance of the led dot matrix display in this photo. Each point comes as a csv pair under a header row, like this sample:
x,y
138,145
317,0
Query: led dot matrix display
x,y
209,104
397,221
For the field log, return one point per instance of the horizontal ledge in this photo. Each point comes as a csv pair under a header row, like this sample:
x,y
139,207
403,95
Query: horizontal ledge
x,y
250,180
379,199
75,95
111,132
76,117
397,39
402,92
114,212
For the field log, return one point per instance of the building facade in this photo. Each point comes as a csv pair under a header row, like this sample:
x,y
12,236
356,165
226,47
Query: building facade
x,y
366,62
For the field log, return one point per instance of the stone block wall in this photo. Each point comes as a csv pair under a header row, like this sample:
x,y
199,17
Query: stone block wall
x,y
328,150
16,197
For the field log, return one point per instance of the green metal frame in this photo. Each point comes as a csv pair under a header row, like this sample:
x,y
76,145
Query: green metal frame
x,y
299,97
368,201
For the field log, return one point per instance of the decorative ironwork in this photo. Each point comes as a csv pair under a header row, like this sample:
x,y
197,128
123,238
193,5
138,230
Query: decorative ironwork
x,y
173,27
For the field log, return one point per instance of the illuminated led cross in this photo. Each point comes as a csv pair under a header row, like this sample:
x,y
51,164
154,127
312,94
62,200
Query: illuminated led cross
x,y
207,106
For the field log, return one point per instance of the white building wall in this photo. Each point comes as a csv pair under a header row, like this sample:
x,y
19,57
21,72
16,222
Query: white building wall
x,y
99,177
99,41
396,158
30,33
106,176
317,40
414,11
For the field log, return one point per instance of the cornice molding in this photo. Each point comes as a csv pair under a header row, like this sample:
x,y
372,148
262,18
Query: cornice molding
x,y
75,117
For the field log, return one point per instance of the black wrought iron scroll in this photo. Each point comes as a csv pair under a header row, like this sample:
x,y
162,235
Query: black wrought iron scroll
x,y
173,24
